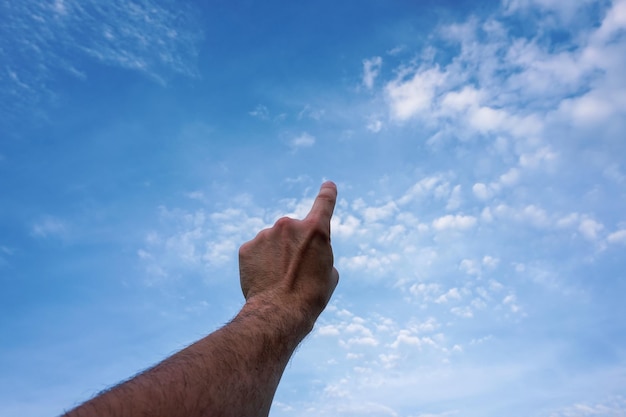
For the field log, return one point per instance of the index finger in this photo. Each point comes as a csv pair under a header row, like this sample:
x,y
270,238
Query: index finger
x,y
324,204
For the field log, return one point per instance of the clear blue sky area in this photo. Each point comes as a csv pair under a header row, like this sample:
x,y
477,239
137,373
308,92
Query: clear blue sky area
x,y
480,231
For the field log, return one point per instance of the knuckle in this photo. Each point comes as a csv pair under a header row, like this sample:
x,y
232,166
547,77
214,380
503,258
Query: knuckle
x,y
244,249
283,222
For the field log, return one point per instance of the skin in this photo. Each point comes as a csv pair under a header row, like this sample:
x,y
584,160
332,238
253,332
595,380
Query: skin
x,y
287,278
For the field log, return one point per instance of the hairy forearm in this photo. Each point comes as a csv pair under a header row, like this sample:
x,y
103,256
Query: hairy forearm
x,y
232,372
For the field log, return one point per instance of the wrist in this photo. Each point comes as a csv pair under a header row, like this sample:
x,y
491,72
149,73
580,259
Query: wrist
x,y
287,321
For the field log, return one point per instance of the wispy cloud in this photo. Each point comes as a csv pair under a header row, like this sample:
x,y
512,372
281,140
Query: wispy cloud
x,y
42,41
371,69
49,227
303,140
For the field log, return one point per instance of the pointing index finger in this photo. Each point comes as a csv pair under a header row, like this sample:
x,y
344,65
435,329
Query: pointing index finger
x,y
324,204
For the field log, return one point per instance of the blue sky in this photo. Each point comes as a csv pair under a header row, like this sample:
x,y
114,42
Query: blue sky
x,y
480,233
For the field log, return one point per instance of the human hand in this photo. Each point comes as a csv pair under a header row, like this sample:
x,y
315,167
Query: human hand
x,y
291,263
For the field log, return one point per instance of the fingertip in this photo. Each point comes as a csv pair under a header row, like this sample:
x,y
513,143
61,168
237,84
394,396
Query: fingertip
x,y
324,203
329,183
329,187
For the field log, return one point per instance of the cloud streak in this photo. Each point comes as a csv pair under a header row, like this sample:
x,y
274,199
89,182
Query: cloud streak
x,y
39,42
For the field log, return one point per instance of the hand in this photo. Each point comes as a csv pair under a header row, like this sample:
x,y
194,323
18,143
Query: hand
x,y
291,263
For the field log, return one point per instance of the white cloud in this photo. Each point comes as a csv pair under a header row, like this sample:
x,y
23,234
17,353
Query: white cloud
x,y
410,97
362,341
375,126
196,195
260,112
421,189
568,220
49,227
470,267
612,407
454,102
511,301
5,252
464,312
452,294
372,262
531,214
533,160
510,177
388,360
371,69
590,228
197,239
459,222
455,199
406,338
487,119
328,330
345,226
490,261
305,140
144,254
486,215
356,327
146,36
617,237
220,253
611,172
424,291
312,113
482,191
515,5
374,214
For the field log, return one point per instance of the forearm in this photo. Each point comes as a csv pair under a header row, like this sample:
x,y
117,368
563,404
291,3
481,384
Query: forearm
x,y
232,372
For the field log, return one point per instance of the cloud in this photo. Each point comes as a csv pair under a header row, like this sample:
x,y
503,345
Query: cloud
x,y
372,262
260,112
426,292
374,214
5,252
311,113
566,11
519,89
531,214
611,407
464,312
406,338
470,267
155,38
197,240
328,330
345,226
455,200
482,191
590,228
415,95
371,69
375,126
452,294
305,140
459,222
490,261
617,237
49,227
425,187
510,177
